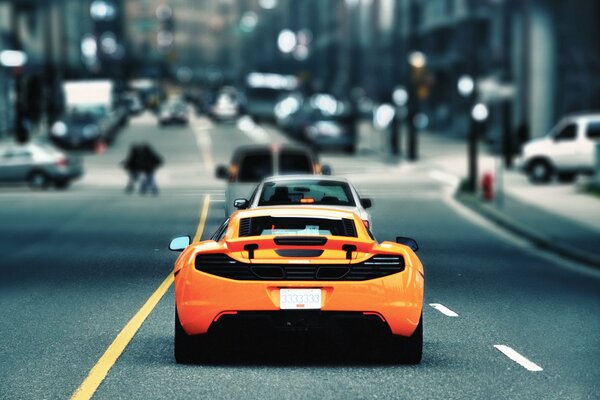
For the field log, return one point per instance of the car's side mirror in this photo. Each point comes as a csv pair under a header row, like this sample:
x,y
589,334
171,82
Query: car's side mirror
x,y
366,203
222,172
240,204
325,170
180,243
412,243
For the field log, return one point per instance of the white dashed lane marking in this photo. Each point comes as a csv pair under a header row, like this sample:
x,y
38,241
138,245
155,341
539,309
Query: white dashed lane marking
x,y
444,310
518,358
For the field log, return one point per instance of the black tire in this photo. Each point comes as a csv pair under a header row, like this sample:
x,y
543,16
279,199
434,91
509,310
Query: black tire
x,y
567,177
187,348
406,350
38,180
540,171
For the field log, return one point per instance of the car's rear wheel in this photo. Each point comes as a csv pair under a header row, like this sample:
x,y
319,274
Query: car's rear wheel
x,y
189,348
407,350
540,171
38,180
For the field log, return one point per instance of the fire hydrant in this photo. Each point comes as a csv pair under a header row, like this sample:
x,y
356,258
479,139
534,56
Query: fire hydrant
x,y
487,186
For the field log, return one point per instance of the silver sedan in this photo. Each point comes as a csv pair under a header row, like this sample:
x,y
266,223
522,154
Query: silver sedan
x,y
39,165
314,190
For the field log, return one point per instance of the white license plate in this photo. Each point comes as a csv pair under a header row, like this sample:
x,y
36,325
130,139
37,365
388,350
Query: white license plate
x,y
300,299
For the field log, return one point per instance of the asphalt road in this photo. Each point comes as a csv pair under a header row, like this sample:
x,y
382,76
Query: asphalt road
x,y
77,265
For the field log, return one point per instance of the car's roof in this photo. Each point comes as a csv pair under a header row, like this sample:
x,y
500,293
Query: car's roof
x,y
294,211
585,116
305,177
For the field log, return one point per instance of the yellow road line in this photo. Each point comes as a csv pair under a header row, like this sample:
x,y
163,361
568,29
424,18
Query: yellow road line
x,y
97,374
203,216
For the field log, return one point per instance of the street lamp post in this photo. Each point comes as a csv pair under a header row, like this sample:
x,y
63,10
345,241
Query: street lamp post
x,y
479,115
400,98
417,62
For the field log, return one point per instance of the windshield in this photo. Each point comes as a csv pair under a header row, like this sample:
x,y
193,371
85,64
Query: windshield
x,y
296,226
314,192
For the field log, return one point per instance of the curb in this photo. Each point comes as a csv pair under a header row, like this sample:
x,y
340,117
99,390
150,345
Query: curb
x,y
542,242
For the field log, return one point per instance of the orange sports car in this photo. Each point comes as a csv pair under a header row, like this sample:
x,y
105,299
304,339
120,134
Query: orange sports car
x,y
298,268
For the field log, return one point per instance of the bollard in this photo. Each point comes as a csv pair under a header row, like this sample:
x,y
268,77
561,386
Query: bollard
x,y
487,186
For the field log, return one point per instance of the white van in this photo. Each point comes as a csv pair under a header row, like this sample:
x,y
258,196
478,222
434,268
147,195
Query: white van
x,y
569,149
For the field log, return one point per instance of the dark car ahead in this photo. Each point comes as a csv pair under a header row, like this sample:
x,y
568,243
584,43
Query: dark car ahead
x,y
173,112
83,128
251,164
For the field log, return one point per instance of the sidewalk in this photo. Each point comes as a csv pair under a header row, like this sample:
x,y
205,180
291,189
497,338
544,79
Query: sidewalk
x,y
557,217
560,218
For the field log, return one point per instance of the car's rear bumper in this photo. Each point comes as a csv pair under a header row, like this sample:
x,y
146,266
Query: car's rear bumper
x,y
203,300
300,321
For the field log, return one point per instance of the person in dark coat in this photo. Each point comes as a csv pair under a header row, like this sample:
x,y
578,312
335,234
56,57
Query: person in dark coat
x,y
134,164
151,160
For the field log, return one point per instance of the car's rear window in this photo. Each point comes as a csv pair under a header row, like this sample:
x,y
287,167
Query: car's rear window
x,y
307,192
294,162
296,226
255,166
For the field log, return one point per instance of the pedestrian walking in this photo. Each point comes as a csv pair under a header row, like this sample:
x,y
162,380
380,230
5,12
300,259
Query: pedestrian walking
x,y
151,160
133,164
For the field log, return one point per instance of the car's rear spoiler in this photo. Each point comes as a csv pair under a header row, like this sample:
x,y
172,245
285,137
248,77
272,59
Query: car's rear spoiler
x,y
251,244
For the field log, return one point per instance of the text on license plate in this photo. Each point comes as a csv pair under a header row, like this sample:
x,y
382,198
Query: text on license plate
x,y
299,299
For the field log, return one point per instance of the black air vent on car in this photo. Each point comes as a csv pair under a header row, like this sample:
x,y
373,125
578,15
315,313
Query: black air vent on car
x,y
245,227
300,240
332,272
299,252
349,227
226,267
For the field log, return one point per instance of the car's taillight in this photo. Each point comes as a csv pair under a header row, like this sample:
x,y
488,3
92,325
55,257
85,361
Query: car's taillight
x,y
233,172
366,222
62,162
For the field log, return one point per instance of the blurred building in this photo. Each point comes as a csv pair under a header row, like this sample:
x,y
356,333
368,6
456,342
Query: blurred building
x,y
533,60
60,39
539,56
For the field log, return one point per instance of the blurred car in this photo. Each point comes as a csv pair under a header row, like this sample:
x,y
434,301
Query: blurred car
x,y
133,103
331,125
293,114
38,165
84,127
308,190
261,103
264,91
173,112
568,150
298,268
251,164
227,106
